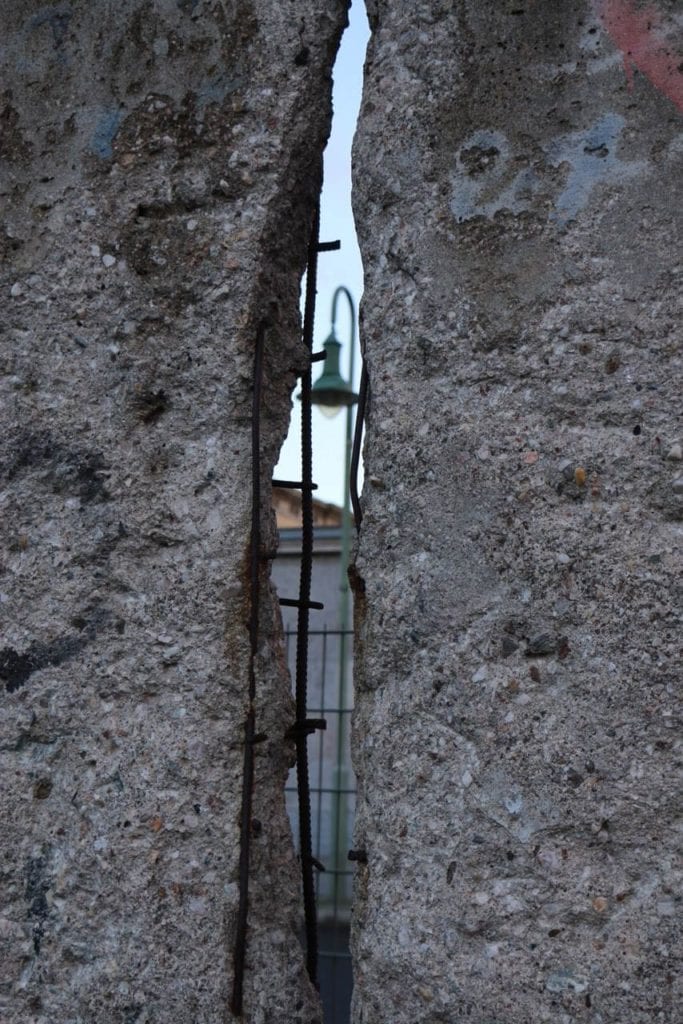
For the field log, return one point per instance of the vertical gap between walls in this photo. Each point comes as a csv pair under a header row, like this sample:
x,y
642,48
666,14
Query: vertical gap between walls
x,y
336,268
330,672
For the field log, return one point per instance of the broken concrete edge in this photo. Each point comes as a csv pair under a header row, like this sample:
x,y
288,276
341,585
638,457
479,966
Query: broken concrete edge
x,y
517,575
153,750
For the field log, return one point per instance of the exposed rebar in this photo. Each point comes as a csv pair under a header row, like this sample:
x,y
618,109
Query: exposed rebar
x,y
304,604
357,439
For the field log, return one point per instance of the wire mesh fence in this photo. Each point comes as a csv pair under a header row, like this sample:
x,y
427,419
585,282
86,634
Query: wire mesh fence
x,y
333,804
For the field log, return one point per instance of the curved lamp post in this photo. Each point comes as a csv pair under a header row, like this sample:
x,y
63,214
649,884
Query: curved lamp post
x,y
331,392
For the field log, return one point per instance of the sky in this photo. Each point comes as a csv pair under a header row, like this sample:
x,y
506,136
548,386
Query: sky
x,y
334,268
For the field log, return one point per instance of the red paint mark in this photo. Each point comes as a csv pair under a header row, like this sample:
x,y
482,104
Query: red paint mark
x,y
640,34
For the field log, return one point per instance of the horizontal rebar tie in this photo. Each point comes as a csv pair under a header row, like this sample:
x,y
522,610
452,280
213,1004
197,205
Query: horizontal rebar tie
x,y
323,789
306,727
328,246
295,485
317,357
295,602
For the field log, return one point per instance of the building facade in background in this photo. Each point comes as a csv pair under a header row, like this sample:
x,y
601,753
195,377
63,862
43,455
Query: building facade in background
x,y
330,696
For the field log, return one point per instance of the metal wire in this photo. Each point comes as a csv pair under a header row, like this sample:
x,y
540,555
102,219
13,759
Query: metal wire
x,y
301,684
250,737
357,439
303,726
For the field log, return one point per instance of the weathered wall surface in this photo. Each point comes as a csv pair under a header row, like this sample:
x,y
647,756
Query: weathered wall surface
x,y
160,162
518,196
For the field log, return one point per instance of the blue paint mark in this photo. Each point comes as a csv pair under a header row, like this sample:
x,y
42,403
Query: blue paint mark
x,y
105,133
480,176
592,158
485,181
58,18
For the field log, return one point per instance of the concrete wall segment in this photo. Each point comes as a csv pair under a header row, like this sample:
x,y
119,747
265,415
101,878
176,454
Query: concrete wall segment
x,y
160,163
517,188
517,201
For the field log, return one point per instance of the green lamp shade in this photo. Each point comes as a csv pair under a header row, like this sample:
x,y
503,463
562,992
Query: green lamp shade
x,y
331,391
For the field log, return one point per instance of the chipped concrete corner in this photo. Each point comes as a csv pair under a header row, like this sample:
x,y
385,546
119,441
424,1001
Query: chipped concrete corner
x,y
160,164
518,196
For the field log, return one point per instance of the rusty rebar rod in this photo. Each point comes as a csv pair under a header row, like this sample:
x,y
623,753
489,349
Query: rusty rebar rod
x,y
357,439
301,684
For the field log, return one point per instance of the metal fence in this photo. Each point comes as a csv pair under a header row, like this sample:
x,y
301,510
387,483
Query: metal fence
x,y
333,804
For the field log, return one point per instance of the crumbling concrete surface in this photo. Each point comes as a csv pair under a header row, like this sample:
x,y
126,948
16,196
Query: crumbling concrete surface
x,y
518,196
160,165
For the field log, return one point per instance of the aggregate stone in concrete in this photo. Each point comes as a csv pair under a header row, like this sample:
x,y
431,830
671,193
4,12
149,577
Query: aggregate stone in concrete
x,y
160,164
518,195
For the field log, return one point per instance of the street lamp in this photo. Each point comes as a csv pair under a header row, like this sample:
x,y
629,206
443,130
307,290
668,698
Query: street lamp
x,y
331,393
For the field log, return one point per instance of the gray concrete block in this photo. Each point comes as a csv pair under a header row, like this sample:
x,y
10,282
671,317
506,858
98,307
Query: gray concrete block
x,y
517,660
160,164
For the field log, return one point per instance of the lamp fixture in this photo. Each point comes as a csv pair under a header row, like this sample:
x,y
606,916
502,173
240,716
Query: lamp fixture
x,y
331,392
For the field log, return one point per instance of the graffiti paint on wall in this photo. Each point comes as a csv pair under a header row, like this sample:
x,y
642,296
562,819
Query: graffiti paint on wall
x,y
592,158
486,181
483,184
643,35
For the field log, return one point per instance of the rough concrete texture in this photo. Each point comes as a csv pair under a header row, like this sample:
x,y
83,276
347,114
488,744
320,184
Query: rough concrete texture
x,y
518,197
160,164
